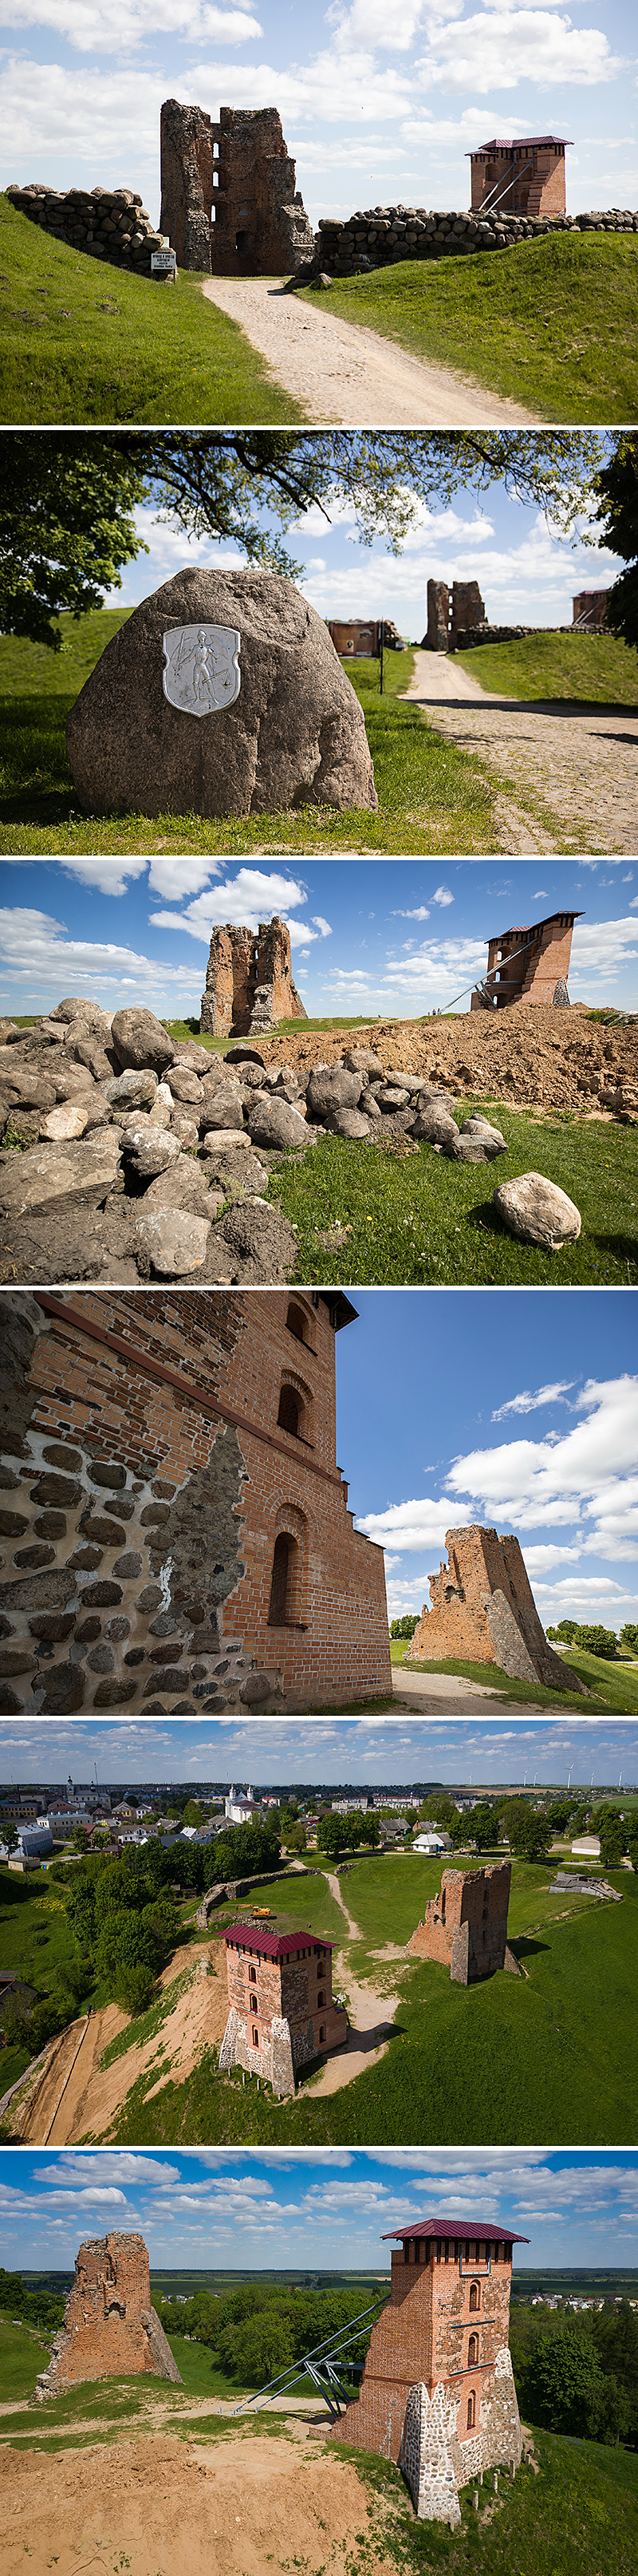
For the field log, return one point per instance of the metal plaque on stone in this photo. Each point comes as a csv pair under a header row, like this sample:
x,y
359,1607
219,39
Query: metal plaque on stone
x,y
201,672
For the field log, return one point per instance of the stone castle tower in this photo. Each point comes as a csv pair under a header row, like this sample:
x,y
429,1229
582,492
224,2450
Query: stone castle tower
x,y
229,202
110,2329
249,981
482,1610
438,2394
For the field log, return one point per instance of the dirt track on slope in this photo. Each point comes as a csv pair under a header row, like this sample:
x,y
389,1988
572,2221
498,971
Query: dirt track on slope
x,y
93,2098
531,1056
242,2506
342,373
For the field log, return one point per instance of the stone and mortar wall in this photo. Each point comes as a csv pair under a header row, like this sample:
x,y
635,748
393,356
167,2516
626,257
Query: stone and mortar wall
x,y
465,1925
138,1526
412,2405
249,981
109,223
387,233
483,1610
109,2327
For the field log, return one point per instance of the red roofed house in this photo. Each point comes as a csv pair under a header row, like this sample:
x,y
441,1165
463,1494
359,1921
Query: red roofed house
x,y
438,2394
528,965
520,174
281,2013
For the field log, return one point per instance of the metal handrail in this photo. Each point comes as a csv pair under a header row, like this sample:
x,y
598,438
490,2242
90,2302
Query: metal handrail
x,y
503,185
325,2352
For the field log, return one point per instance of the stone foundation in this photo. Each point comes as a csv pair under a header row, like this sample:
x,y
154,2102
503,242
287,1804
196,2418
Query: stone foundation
x,y
436,2463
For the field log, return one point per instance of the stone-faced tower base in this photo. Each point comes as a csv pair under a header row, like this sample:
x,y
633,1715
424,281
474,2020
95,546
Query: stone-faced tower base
x,y
438,2394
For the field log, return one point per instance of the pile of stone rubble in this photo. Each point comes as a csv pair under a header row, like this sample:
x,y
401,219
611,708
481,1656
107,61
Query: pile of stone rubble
x,y
385,233
109,223
126,1155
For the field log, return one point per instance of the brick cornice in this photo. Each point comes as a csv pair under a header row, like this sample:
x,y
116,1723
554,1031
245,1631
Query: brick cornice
x,y
71,1316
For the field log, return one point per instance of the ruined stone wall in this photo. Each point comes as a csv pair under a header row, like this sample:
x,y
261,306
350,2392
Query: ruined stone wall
x,y
249,981
146,1481
107,223
418,2377
483,1610
465,1925
229,202
186,161
109,2328
383,234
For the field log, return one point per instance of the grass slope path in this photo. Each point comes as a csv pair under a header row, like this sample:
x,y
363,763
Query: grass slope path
x,y
343,372
575,765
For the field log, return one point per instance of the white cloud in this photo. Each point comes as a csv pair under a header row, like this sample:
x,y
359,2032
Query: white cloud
x,y
324,927
598,948
249,898
109,876
442,895
420,913
42,961
500,48
587,1477
99,26
531,1402
175,878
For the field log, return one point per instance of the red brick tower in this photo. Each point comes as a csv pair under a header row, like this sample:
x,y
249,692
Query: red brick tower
x,y
523,174
438,2394
281,2013
527,964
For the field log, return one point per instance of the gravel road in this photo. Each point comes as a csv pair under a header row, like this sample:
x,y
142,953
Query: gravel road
x,y
347,376
578,763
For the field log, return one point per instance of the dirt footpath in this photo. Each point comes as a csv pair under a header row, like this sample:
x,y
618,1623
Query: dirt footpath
x,y
243,2506
533,1057
343,374
579,764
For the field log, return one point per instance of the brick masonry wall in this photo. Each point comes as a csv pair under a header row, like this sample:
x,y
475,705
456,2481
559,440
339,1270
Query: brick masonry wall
x,y
483,1610
107,223
109,2328
536,970
138,1528
418,2378
282,1997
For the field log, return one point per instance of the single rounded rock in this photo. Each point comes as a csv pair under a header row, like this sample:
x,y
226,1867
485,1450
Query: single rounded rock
x,y
138,1038
175,1242
273,1121
332,1087
134,1089
349,1122
293,733
537,1212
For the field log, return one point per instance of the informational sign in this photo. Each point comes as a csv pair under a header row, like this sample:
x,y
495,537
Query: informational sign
x,y
201,672
163,263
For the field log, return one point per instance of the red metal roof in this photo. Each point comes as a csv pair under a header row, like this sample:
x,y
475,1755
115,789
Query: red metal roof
x,y
275,1945
521,929
517,143
458,2227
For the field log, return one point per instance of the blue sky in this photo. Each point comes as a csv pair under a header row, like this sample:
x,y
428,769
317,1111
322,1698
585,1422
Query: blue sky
x,y
272,1752
526,569
219,2207
392,937
376,105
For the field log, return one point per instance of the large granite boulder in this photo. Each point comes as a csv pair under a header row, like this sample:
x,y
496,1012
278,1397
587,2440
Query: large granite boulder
x,y
292,735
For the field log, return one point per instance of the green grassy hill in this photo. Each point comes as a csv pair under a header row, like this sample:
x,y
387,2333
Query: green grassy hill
x,y
598,669
80,341
465,2065
551,324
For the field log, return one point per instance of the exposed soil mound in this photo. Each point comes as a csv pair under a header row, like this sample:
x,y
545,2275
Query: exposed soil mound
x,y
546,1059
48,2110
241,2506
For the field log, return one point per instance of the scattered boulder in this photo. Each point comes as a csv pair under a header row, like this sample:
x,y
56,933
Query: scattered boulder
x,y
349,1122
293,735
332,1087
63,1123
175,1242
274,1122
138,1038
134,1089
535,1210
434,1126
83,1170
149,1147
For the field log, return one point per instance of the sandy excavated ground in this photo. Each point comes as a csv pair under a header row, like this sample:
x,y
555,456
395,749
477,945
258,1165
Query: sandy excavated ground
x,y
242,2506
343,373
92,2099
531,1056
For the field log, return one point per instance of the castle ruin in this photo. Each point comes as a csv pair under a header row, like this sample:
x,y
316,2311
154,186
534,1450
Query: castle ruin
x,y
465,1926
438,2394
483,1612
229,203
249,981
109,2330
